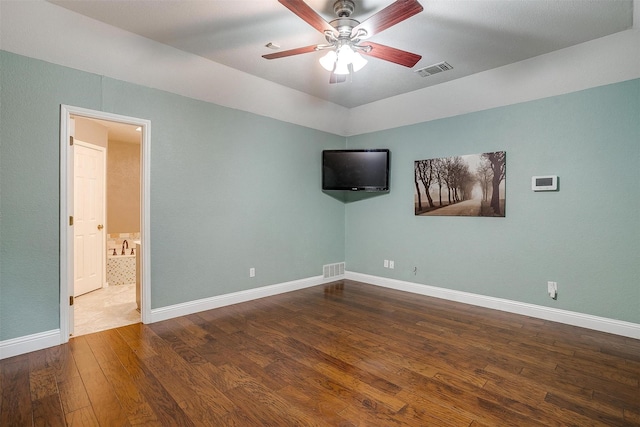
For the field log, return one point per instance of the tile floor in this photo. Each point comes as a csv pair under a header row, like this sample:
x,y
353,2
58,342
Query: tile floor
x,y
105,308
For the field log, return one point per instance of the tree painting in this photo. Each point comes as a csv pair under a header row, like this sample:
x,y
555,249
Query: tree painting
x,y
471,185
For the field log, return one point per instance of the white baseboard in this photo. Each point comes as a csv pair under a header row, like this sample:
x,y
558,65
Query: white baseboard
x,y
29,343
196,306
603,324
39,341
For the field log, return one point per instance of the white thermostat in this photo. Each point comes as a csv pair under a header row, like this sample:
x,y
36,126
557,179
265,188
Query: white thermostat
x,y
544,183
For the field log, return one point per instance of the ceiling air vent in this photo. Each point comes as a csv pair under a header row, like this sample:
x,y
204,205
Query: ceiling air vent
x,y
434,69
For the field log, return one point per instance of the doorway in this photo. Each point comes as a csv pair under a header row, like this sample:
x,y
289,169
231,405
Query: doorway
x,y
118,221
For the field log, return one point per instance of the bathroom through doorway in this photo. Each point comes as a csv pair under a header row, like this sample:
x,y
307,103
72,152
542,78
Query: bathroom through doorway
x,y
104,265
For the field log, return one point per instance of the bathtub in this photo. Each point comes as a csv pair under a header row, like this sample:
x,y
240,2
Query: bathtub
x,y
121,269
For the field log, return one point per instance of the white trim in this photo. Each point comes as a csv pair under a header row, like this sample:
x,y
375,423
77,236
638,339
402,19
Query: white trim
x,y
218,301
66,209
29,343
603,324
26,344
66,235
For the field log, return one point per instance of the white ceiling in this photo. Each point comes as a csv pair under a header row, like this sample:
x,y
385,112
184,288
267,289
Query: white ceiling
x,y
471,35
117,131
121,132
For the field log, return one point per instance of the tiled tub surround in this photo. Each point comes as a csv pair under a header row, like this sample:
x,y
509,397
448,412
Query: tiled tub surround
x,y
121,269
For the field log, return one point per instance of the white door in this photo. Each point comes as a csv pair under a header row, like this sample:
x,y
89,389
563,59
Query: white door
x,y
88,217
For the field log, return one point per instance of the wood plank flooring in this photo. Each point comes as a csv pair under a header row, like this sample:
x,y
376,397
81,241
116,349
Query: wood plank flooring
x,y
345,354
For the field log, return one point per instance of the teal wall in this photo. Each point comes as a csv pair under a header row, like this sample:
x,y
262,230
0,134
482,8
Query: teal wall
x,y
585,236
229,191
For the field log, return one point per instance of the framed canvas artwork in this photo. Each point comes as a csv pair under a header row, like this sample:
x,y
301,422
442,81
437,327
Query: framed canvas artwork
x,y
471,185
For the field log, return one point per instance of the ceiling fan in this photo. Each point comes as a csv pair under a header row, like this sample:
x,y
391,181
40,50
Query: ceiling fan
x,y
346,37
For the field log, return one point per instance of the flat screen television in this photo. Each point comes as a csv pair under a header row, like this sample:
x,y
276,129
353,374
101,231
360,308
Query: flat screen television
x,y
356,170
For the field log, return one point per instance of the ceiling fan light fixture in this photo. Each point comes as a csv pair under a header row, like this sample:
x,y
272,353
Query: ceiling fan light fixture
x,y
341,67
328,61
345,54
358,62
339,61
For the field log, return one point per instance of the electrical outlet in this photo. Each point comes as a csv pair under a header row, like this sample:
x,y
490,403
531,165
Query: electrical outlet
x,y
392,264
252,272
552,289
386,263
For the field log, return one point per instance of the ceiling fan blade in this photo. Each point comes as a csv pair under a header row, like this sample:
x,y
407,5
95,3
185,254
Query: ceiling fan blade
x,y
391,54
307,14
291,52
391,15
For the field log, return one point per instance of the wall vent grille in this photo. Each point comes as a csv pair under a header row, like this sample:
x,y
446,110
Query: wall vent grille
x,y
333,270
434,69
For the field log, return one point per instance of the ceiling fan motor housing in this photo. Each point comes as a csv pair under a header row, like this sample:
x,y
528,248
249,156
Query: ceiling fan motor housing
x,y
344,26
344,8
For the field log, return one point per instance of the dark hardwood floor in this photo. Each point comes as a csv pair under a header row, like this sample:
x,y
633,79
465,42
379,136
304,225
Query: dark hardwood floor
x,y
346,354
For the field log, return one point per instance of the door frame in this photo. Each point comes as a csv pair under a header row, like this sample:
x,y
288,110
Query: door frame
x,y
66,209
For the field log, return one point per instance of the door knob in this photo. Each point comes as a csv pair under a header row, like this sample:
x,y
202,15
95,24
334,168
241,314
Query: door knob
x,y
100,226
